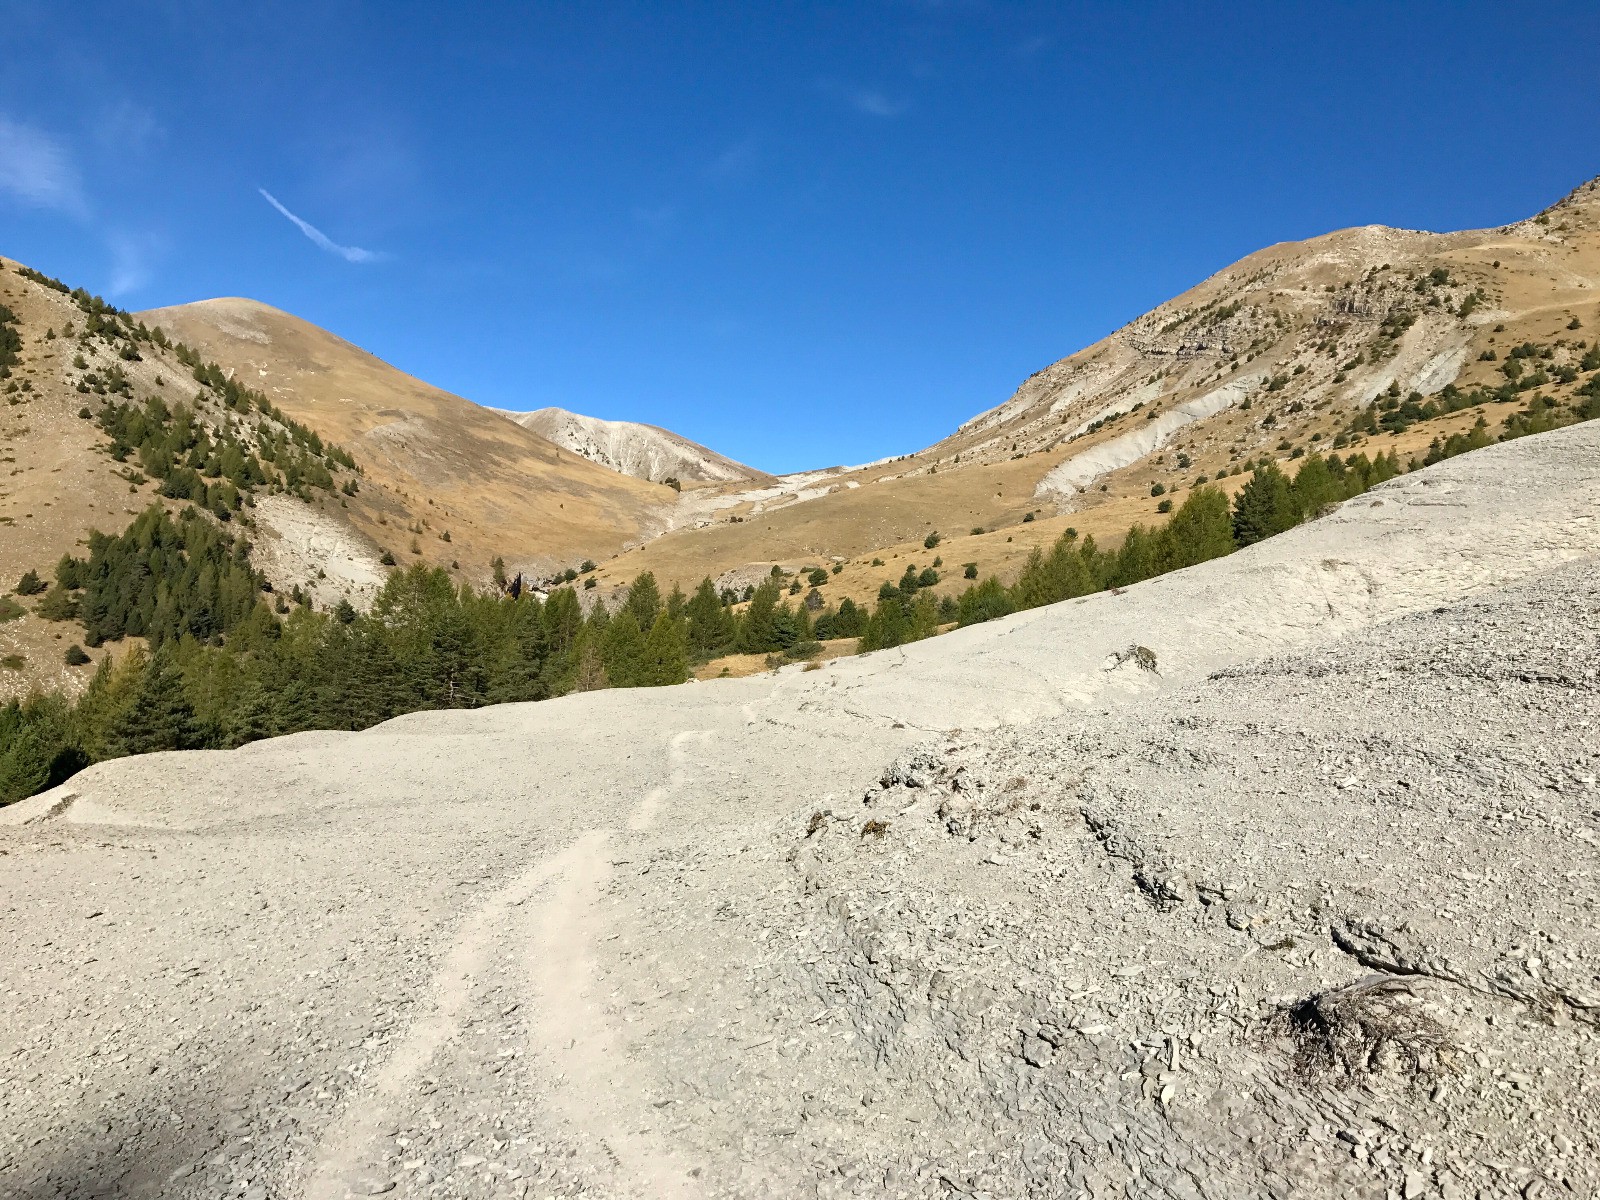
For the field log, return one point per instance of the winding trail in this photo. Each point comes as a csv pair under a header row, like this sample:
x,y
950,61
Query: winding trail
x,y
597,1087
345,1159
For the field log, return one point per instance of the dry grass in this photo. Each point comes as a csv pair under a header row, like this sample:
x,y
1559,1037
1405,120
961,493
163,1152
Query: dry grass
x,y
1378,1025
430,457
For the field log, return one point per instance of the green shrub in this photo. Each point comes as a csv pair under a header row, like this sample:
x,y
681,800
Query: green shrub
x,y
58,605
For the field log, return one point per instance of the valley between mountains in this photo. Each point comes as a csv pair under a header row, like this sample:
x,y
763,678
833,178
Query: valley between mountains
x,y
1180,782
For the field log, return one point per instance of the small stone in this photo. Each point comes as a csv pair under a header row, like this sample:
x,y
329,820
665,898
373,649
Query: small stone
x,y
367,1186
1416,1184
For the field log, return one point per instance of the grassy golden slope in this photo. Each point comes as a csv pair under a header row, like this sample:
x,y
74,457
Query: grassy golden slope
x,y
55,485
430,458
1300,314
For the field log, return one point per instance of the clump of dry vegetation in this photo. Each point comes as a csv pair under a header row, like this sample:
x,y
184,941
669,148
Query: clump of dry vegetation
x,y
1376,1026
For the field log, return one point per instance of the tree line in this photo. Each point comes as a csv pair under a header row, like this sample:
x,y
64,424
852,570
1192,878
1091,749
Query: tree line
x,y
218,667
1205,526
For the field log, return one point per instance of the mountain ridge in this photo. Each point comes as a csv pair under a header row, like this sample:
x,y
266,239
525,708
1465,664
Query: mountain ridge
x,y
634,448
1297,346
440,461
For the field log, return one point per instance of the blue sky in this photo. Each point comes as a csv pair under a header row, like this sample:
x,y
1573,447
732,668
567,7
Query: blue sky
x,y
801,234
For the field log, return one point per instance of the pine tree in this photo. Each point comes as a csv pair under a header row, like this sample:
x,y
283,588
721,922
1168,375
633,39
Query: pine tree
x,y
1265,506
563,621
622,650
924,618
250,717
711,625
1200,530
758,628
644,600
983,602
36,747
849,621
665,657
1315,486
677,602
589,672
1137,559
160,717
108,697
889,624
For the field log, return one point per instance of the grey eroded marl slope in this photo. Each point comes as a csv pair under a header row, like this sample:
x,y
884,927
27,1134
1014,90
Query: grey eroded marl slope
x,y
588,944
1070,949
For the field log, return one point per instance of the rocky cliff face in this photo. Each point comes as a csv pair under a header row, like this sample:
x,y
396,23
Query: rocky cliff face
x,y
644,451
1287,333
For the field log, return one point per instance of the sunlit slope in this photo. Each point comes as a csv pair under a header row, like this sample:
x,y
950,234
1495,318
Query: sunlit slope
x,y
1274,356
431,459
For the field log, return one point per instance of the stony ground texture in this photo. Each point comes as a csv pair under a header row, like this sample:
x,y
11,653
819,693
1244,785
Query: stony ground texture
x,y
1271,878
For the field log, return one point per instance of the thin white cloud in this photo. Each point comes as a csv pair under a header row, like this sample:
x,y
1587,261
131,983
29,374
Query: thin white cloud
x,y
876,104
37,171
735,161
133,257
868,101
353,254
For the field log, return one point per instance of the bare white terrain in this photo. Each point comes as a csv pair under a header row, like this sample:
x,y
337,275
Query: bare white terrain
x,y
299,544
643,451
1272,877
